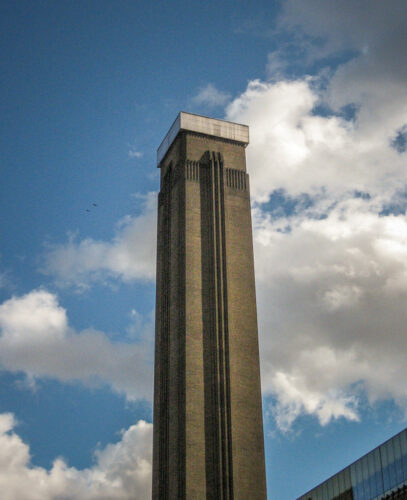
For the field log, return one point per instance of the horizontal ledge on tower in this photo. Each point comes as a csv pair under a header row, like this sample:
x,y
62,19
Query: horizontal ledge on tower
x,y
202,124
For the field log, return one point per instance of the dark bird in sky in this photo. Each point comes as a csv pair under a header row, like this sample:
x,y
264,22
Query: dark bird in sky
x,y
95,204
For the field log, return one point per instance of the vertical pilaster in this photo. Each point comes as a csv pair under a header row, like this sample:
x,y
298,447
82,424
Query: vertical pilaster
x,y
162,342
219,470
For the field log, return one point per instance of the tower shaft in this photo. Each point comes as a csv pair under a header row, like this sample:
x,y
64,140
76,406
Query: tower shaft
x,y
208,431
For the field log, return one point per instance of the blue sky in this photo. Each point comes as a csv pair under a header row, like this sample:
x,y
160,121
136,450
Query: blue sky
x,y
88,91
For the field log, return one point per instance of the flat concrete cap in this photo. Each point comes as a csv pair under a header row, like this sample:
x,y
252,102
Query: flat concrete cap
x,y
203,125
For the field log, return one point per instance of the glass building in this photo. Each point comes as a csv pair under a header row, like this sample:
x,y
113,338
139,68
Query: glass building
x,y
381,474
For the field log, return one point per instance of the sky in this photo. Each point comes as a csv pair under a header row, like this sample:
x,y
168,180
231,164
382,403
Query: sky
x,y
88,91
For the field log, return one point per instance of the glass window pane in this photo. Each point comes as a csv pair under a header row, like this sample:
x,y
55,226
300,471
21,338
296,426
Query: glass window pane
x,y
390,451
366,489
359,492
399,470
403,442
325,492
359,474
341,482
403,447
386,469
372,486
396,447
353,474
386,479
365,475
379,482
383,454
335,486
377,460
359,471
365,467
366,471
354,478
397,459
355,490
347,478
330,489
372,472
392,466
392,474
372,461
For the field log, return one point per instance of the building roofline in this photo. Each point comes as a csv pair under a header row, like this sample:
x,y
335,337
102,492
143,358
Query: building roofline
x,y
352,463
213,127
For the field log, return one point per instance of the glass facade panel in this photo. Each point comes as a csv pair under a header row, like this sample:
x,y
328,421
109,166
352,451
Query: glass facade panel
x,y
341,482
383,454
353,479
335,484
328,491
392,466
396,447
370,477
385,468
347,478
362,475
372,472
403,444
359,482
331,488
365,475
398,459
325,492
378,471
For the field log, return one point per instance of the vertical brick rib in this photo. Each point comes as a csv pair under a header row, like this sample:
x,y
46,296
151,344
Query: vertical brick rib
x,y
182,339
164,259
216,347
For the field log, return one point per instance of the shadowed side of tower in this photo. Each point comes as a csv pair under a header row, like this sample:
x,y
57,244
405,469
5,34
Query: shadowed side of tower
x,y
208,430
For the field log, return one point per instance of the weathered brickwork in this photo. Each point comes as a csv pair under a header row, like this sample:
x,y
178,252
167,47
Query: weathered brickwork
x,y
208,431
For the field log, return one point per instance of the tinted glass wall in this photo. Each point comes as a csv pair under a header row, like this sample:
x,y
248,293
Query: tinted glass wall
x,y
371,477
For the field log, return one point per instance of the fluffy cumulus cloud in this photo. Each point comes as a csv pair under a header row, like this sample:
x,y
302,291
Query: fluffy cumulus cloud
x,y
296,150
129,256
328,177
332,321
121,471
35,338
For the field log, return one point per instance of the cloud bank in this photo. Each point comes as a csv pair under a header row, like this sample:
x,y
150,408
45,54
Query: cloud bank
x,y
129,256
328,179
122,470
35,338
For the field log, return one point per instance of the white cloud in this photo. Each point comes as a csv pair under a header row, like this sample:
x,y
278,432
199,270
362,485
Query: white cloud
x,y
331,270
365,26
331,297
35,338
211,96
122,470
129,256
295,150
